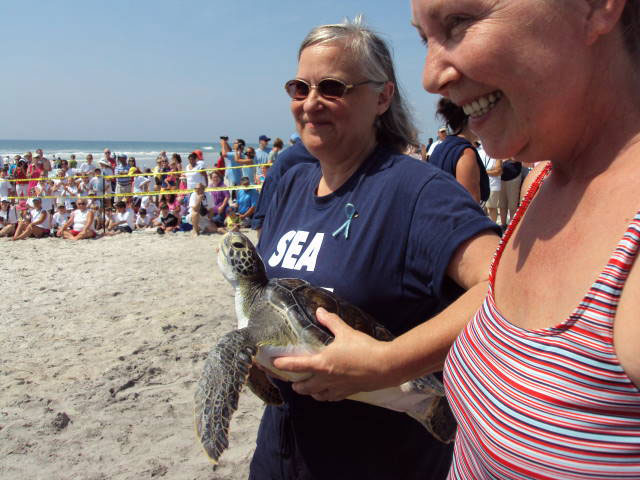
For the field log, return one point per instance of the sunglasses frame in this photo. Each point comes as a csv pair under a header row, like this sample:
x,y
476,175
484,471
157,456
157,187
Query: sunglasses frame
x,y
347,87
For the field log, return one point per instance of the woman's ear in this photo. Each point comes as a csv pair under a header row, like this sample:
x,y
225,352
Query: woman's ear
x,y
385,97
603,16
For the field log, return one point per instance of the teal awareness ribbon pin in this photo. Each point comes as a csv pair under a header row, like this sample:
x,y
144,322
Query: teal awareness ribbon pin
x,y
350,210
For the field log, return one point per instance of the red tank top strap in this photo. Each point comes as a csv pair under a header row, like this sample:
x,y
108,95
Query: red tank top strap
x,y
531,192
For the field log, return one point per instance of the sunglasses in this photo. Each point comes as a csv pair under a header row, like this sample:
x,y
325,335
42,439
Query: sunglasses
x,y
329,88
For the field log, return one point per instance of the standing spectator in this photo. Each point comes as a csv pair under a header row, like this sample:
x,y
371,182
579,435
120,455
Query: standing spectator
x,y
88,167
442,134
20,175
98,187
262,156
510,192
4,181
233,159
493,167
193,176
44,189
457,155
123,184
278,145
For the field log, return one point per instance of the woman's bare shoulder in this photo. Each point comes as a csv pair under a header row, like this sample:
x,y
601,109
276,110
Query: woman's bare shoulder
x,y
530,178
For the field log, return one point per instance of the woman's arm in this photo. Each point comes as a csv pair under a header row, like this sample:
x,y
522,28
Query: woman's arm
x,y
355,362
468,173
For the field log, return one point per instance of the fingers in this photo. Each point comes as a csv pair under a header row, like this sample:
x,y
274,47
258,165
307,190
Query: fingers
x,y
295,364
330,320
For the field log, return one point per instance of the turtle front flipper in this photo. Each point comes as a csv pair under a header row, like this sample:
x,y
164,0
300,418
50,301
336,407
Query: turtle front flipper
x,y
225,373
260,384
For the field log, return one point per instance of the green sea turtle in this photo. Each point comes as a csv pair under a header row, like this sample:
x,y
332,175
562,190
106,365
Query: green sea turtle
x,y
277,317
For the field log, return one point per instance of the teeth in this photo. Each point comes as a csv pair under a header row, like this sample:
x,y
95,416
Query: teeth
x,y
482,105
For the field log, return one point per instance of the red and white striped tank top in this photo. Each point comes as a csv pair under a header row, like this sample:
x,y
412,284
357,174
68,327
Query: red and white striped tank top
x,y
551,403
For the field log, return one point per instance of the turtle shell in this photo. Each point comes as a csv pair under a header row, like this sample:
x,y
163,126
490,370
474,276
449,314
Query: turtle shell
x,y
301,300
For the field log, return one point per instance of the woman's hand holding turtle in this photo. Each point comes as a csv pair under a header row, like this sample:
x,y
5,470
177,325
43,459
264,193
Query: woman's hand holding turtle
x,y
352,363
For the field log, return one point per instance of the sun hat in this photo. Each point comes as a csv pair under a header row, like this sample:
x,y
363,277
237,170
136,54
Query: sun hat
x,y
4,199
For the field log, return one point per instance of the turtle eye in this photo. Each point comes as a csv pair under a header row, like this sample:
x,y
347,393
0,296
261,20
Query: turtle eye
x,y
237,245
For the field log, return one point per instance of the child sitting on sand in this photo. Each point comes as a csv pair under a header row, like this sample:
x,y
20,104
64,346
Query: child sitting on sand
x,y
232,221
143,220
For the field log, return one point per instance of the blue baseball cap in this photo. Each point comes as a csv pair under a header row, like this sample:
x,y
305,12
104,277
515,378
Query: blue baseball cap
x,y
265,138
294,137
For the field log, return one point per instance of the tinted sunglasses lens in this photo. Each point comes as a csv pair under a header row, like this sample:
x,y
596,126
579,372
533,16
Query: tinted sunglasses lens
x,y
297,89
331,88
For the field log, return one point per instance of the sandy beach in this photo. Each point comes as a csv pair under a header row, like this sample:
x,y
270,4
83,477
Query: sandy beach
x,y
102,344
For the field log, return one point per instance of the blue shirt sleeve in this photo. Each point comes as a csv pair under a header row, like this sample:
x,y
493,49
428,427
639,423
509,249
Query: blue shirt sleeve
x,y
444,217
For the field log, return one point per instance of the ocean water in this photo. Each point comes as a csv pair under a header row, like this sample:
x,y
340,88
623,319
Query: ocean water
x,y
145,153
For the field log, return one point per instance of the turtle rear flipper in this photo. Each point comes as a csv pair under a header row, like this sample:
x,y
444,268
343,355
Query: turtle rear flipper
x,y
260,384
225,373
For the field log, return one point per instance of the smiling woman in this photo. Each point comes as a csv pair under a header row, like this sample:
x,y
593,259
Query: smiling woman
x,y
386,232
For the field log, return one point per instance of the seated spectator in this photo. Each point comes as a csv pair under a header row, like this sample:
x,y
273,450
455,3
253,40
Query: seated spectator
x,y
220,198
8,218
143,220
37,224
59,219
82,221
97,215
201,211
166,222
122,221
246,202
232,220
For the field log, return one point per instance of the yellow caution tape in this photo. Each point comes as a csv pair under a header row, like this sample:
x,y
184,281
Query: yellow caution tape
x,y
155,174
142,194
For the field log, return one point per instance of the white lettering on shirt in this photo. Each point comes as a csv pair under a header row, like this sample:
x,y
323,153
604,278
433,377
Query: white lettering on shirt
x,y
293,254
294,249
281,249
310,255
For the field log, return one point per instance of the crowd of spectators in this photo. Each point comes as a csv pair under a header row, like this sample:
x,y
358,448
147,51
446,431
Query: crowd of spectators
x,y
40,197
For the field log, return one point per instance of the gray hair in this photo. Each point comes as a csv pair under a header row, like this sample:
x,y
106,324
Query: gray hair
x,y
394,128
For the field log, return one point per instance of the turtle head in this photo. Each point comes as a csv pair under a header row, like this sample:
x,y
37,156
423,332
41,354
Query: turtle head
x,y
238,259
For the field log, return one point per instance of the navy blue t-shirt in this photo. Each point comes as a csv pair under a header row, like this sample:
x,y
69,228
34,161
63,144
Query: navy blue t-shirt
x,y
411,218
446,155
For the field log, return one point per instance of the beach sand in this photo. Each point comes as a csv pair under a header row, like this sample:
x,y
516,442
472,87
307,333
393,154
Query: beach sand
x,y
102,345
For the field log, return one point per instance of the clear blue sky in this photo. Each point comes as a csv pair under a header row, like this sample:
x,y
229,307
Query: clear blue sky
x,y
175,70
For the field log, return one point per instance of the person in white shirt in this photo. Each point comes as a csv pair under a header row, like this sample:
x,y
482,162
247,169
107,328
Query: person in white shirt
x,y
59,218
44,188
195,178
494,170
442,134
83,221
200,211
143,220
8,218
4,182
37,225
121,221
88,166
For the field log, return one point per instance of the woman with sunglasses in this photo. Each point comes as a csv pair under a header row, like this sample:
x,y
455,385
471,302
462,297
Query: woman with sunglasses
x,y
544,379
82,222
395,236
